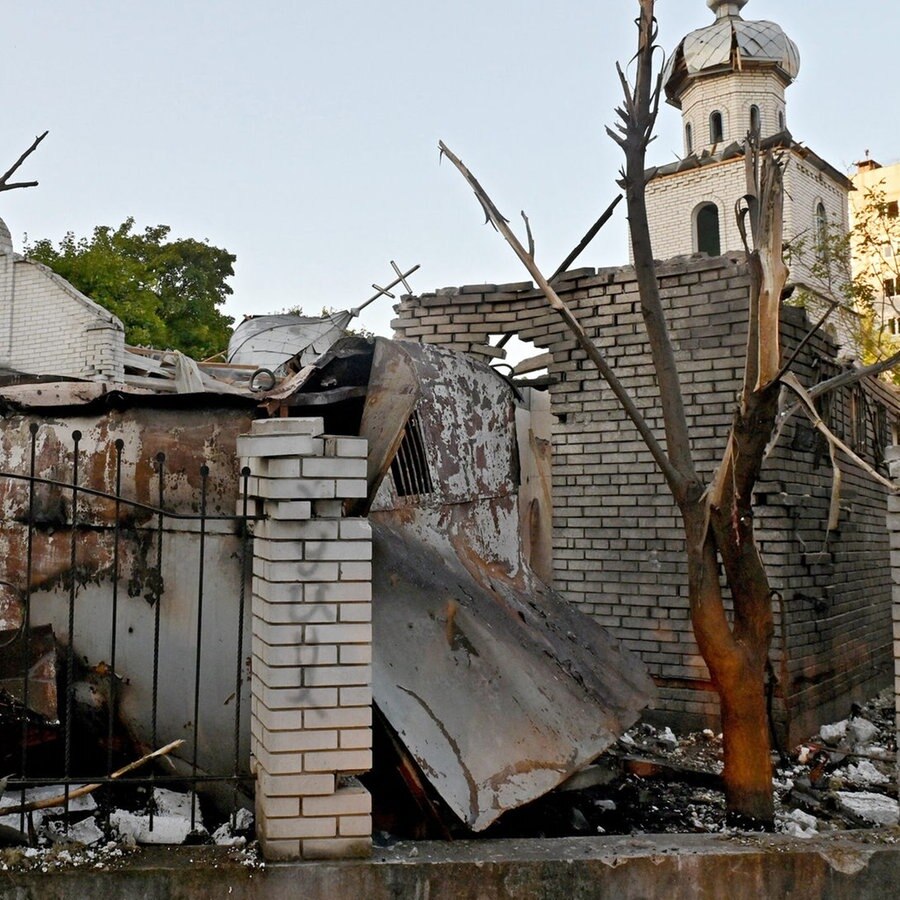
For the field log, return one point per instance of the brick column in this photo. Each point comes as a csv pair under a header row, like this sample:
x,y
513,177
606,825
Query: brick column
x,y
311,707
892,457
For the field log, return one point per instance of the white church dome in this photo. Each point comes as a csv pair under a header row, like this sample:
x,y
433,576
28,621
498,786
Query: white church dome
x,y
731,44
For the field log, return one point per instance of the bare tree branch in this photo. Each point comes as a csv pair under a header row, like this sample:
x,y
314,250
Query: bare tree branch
x,y
50,802
641,101
672,475
530,235
4,179
853,375
589,236
807,405
806,339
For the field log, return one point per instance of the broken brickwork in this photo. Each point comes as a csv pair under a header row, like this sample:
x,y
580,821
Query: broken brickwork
x,y
617,545
46,325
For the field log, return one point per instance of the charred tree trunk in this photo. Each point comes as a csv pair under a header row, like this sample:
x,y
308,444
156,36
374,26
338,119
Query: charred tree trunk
x,y
718,520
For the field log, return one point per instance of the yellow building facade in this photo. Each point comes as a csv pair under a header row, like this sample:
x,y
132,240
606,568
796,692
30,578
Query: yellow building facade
x,y
874,218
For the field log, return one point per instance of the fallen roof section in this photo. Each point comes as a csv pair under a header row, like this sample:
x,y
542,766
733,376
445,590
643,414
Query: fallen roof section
x,y
496,686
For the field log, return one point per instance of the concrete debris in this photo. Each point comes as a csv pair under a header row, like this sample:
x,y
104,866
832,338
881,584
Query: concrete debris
x,y
862,730
171,820
85,804
236,831
834,732
874,809
799,824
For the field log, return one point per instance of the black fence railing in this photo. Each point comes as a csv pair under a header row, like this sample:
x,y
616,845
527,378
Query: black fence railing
x,y
125,629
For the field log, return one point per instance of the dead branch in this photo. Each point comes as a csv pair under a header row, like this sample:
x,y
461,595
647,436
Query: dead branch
x,y
845,379
50,802
632,134
806,339
4,179
672,475
589,236
807,405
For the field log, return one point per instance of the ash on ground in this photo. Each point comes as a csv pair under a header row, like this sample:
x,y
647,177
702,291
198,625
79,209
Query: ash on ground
x,y
654,781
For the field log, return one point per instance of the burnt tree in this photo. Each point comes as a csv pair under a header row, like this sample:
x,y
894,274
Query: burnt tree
x,y
717,517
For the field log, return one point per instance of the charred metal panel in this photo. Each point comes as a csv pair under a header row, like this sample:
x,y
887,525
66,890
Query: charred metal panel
x,y
467,422
498,687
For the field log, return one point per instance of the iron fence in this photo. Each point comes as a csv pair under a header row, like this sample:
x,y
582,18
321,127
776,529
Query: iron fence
x,y
94,564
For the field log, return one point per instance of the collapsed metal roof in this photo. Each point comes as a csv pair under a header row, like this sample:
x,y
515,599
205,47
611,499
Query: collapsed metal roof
x,y
497,687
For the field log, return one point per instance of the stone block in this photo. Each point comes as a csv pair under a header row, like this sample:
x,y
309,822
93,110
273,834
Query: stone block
x,y
346,717
352,800
293,425
299,785
297,827
337,761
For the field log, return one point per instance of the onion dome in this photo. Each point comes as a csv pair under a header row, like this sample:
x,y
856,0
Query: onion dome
x,y
731,44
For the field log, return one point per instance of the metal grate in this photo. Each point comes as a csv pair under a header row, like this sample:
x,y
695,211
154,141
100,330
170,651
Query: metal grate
x,y
410,466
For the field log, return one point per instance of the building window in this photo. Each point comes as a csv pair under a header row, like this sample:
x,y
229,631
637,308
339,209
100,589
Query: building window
x,y
708,239
689,139
716,129
821,230
780,120
890,287
754,120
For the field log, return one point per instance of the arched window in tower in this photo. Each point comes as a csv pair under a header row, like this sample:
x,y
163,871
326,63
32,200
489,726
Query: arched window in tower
x,y
716,129
707,229
754,119
688,139
821,230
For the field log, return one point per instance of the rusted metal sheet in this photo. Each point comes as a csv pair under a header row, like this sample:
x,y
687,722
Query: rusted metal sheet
x,y
497,686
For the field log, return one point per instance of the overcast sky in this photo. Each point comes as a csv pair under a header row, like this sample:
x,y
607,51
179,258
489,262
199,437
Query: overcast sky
x,y
302,136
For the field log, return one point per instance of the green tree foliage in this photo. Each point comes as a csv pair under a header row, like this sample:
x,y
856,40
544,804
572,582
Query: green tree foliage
x,y
166,292
855,269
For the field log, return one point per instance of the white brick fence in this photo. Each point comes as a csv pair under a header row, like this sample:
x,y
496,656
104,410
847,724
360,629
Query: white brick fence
x,y
311,707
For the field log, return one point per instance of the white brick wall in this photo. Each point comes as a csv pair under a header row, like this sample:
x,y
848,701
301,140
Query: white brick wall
x,y
732,95
311,715
673,199
49,328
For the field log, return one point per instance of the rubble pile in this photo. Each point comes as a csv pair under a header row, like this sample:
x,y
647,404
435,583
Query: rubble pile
x,y
654,781
176,818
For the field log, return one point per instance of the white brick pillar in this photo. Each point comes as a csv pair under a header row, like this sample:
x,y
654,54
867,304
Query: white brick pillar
x,y
893,523
311,707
